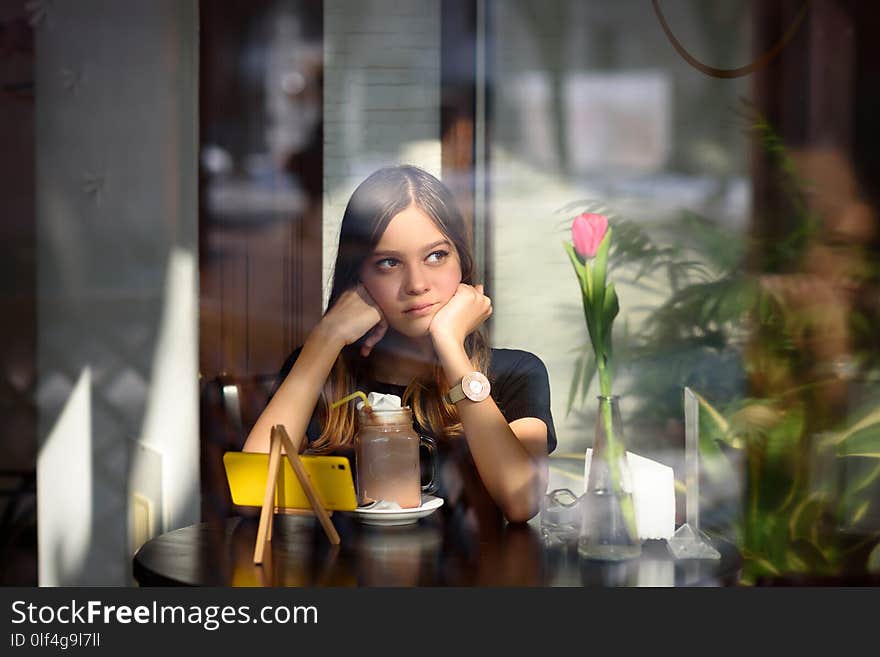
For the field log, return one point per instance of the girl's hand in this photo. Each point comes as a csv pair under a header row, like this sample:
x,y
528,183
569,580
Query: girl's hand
x,y
355,314
462,315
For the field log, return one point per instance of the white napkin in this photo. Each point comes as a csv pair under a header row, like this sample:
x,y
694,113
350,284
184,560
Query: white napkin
x,y
653,495
381,402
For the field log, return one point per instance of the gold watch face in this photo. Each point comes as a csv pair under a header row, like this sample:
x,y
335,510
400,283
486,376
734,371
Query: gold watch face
x,y
475,386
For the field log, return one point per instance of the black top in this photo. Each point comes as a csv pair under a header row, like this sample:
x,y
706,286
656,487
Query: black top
x,y
520,388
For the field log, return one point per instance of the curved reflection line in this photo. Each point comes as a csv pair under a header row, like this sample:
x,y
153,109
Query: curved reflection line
x,y
730,72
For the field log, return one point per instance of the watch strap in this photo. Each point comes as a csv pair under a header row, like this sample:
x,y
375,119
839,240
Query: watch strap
x,y
455,394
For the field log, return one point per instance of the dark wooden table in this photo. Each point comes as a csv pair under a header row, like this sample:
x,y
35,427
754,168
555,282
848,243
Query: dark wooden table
x,y
441,550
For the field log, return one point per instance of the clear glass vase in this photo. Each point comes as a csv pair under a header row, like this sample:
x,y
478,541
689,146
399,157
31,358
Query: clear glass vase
x,y
608,528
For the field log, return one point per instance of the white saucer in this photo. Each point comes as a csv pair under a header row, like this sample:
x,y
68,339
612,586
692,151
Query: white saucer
x,y
397,517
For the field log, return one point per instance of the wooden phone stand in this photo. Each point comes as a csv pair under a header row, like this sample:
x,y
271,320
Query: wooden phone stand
x,y
264,532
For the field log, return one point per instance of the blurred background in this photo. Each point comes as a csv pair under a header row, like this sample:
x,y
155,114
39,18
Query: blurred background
x,y
174,175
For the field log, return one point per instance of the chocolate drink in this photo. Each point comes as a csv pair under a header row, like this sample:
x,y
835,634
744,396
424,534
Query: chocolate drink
x,y
387,458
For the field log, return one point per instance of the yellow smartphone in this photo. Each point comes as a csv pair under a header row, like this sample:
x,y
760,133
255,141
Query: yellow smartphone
x,y
331,475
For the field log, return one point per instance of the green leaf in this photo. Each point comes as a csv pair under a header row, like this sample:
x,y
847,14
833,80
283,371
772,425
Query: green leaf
x,y
589,374
596,283
588,277
758,565
591,326
859,513
714,427
804,519
575,382
600,265
859,483
808,555
872,418
709,438
585,371
611,306
576,263
853,492
584,274
862,443
609,311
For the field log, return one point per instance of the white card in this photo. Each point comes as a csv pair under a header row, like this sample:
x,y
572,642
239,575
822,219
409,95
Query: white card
x,y
653,495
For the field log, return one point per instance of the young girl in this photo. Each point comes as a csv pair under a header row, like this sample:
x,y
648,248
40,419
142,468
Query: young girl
x,y
404,317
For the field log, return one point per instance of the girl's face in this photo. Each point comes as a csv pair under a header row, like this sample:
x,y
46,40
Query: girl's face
x,y
412,273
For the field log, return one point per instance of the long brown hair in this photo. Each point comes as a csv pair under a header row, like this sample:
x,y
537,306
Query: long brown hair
x,y
377,200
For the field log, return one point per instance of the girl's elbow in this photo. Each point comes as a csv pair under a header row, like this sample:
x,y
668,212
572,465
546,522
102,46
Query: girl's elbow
x,y
520,515
524,504
523,509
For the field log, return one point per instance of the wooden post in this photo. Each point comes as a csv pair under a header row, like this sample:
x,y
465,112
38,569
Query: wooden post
x,y
278,439
311,492
264,532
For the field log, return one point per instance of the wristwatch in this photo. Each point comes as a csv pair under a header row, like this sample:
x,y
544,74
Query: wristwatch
x,y
473,385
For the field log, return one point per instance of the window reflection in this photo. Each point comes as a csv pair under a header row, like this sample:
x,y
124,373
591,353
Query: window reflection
x,y
747,235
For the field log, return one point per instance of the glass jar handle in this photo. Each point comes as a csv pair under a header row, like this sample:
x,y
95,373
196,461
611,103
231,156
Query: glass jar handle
x,y
431,445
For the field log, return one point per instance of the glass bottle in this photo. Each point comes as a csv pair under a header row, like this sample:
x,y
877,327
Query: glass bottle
x,y
608,528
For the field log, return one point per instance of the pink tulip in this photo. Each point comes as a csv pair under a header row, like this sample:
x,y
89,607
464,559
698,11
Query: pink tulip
x,y
587,232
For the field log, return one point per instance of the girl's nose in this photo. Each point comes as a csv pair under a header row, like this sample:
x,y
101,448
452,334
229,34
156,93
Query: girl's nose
x,y
416,281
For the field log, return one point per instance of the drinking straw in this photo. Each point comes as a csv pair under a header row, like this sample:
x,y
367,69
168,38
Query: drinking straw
x,y
356,393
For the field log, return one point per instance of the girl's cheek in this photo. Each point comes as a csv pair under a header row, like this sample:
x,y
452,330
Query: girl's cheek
x,y
453,286
374,286
384,298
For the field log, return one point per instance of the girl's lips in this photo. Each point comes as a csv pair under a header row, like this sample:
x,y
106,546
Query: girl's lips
x,y
417,312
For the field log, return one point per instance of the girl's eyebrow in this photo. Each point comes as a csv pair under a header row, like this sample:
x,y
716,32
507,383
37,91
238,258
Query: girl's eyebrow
x,y
426,248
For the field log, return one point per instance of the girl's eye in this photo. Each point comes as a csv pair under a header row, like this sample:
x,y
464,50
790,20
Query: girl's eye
x,y
388,263
385,263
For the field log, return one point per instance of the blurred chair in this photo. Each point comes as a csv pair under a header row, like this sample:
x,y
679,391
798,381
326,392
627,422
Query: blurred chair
x,y
243,399
229,408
